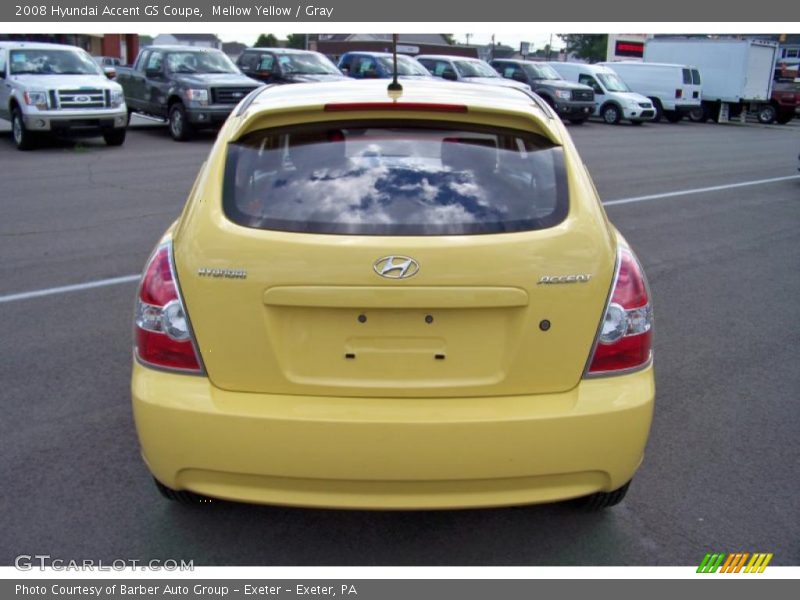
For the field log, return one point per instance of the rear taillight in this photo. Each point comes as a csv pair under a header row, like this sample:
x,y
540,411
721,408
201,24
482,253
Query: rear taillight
x,y
626,333
679,93
162,335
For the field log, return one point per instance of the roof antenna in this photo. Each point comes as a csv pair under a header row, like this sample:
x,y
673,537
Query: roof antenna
x,y
394,86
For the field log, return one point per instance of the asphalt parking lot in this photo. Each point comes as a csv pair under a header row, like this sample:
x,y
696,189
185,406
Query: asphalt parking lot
x,y
722,470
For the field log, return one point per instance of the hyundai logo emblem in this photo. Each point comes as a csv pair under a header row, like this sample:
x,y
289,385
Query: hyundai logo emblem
x,y
396,267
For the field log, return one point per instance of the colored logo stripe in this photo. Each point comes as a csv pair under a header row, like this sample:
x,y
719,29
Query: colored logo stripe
x,y
734,562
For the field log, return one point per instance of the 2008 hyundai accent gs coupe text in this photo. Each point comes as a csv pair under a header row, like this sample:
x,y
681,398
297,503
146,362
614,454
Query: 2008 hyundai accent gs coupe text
x,y
380,299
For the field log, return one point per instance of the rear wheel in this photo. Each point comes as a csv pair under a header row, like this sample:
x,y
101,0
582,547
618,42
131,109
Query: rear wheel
x,y
673,116
182,496
23,139
658,108
785,116
179,127
601,500
767,114
115,137
611,114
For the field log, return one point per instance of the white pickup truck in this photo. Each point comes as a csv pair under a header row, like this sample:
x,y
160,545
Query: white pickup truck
x,y
59,89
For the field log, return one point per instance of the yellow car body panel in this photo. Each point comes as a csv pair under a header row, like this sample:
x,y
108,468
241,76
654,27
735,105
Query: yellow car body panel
x,y
449,392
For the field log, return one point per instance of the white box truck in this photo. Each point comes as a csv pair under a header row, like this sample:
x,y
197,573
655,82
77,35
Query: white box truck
x,y
736,73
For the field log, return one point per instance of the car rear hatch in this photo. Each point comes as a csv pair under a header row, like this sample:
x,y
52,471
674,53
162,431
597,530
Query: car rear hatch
x,y
383,258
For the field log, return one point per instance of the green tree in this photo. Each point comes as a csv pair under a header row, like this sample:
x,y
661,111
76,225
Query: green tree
x,y
448,37
591,47
296,40
266,40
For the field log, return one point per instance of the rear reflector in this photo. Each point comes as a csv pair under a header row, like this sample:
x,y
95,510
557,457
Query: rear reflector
x,y
162,335
626,333
420,106
679,93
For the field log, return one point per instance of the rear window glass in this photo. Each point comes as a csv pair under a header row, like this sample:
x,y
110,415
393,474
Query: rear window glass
x,y
404,178
687,76
695,77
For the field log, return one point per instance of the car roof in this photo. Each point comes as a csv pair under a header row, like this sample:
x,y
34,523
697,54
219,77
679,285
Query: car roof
x,y
179,48
279,50
639,62
37,45
448,57
369,53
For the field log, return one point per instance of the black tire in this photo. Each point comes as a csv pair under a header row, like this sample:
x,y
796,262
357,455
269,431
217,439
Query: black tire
x,y
784,117
115,137
579,121
601,500
767,114
611,114
673,116
698,115
182,496
23,139
658,108
179,127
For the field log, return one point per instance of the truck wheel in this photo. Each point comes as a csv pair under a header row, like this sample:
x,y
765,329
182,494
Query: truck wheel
x,y
784,117
115,137
179,127
600,500
673,116
698,115
658,108
611,114
767,114
23,139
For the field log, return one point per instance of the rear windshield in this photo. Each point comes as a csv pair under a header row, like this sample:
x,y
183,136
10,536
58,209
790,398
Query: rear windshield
x,y
687,76
695,77
386,178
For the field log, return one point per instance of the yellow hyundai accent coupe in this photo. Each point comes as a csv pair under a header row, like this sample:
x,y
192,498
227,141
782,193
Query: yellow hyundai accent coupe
x,y
393,300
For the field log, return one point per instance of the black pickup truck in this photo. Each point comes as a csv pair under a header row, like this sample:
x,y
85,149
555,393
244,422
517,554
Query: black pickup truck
x,y
190,87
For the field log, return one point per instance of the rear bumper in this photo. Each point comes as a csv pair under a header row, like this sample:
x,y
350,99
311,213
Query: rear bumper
x,y
388,452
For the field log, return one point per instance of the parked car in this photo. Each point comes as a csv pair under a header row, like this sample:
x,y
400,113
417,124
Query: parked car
x,y
109,65
54,88
287,65
572,101
785,98
467,70
379,65
190,87
675,90
614,100
400,301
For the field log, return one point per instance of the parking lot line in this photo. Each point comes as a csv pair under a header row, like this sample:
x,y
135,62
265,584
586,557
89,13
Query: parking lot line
x,y
714,188
69,288
131,278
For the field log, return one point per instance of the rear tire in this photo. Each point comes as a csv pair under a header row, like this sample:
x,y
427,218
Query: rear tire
x,y
673,116
181,496
179,127
23,139
767,114
601,500
115,137
611,114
